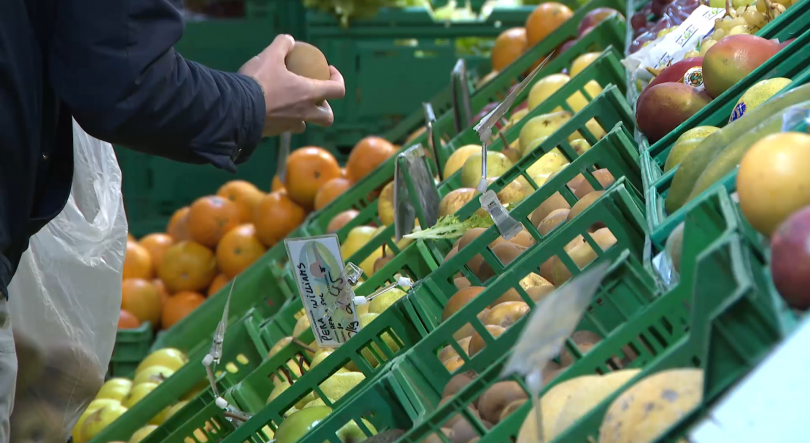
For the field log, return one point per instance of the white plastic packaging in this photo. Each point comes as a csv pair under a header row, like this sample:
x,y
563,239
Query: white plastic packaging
x,y
66,294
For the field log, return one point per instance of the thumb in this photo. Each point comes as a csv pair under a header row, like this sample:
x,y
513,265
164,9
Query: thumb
x,y
278,50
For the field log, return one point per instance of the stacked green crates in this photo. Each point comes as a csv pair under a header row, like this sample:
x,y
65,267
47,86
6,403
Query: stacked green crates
x,y
790,63
131,346
243,351
370,351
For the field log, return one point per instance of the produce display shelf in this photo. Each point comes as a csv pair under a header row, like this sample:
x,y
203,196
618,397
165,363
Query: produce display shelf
x,y
616,152
444,102
369,351
131,346
723,281
604,71
243,351
260,286
419,376
789,63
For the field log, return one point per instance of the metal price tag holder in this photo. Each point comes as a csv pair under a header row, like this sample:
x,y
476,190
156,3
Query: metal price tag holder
x,y
508,226
415,192
553,320
430,120
462,110
283,152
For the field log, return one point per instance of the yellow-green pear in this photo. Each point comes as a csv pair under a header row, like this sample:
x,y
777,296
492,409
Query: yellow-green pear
x,y
383,301
340,383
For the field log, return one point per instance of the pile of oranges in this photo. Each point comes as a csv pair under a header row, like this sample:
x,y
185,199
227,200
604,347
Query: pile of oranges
x,y
513,42
168,274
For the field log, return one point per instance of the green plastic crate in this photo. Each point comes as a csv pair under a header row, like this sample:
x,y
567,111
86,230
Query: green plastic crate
x,y
131,346
790,63
260,286
616,152
243,351
727,286
406,46
443,101
251,393
604,71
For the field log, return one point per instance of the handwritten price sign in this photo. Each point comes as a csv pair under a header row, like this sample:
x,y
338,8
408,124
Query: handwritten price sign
x,y
325,291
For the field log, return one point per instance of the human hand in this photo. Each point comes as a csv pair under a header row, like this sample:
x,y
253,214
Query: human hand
x,y
290,99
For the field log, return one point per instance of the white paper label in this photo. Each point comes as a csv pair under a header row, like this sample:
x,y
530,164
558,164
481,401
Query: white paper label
x,y
672,47
322,284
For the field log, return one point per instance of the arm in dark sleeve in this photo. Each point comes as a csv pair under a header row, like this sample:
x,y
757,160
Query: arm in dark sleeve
x,y
113,64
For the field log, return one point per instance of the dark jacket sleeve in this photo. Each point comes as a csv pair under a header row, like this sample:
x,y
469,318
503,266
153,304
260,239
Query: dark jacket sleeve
x,y
113,64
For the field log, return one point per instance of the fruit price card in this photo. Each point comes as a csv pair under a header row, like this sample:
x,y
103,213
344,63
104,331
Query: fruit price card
x,y
324,288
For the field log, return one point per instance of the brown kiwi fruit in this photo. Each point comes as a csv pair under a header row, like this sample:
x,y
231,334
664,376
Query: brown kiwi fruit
x,y
510,408
538,293
583,203
307,61
457,383
506,314
506,253
70,375
459,300
552,220
603,176
30,361
523,238
556,201
477,343
461,283
497,397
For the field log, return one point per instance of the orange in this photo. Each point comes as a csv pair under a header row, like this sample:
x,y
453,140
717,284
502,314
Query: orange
x,y
187,266
343,172
137,262
509,46
307,170
238,249
140,298
127,321
157,244
340,220
130,237
210,218
178,225
366,155
545,18
219,282
275,217
161,288
330,190
244,195
179,306
277,185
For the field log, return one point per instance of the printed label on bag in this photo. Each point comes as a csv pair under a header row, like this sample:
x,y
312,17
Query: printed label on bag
x,y
324,288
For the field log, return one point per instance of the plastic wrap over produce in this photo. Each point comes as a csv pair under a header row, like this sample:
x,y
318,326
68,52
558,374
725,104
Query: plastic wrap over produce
x,y
671,44
65,298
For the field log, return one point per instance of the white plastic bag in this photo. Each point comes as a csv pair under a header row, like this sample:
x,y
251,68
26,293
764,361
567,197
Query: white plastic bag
x,y
66,293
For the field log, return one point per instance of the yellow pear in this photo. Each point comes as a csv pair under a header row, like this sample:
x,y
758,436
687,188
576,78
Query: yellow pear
x,y
383,301
301,326
357,238
173,409
317,402
138,392
385,204
153,374
548,164
458,157
538,128
365,320
277,390
340,383
99,419
115,388
582,62
78,434
545,88
140,434
279,345
167,357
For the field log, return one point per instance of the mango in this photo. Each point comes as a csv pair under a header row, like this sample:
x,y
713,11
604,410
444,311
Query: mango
x,y
732,59
665,106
